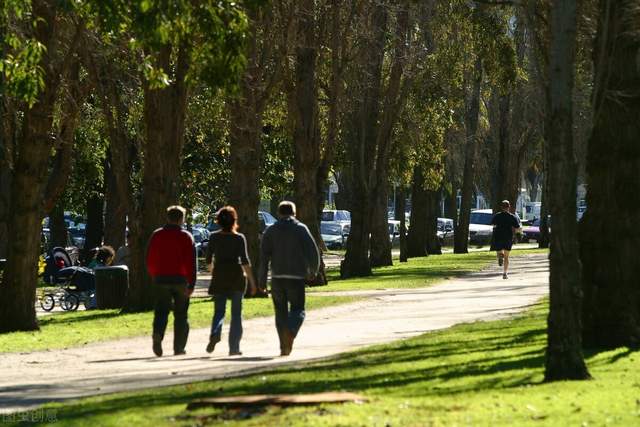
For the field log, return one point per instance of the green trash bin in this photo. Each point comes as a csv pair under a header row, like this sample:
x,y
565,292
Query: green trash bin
x,y
112,284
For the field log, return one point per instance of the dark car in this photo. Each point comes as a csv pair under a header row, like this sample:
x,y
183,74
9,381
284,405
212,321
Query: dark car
x,y
201,237
532,232
265,220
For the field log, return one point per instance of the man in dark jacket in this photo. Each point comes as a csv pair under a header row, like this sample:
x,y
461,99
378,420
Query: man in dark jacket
x,y
293,255
171,262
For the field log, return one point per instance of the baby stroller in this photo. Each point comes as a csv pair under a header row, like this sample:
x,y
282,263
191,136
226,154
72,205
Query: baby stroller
x,y
75,284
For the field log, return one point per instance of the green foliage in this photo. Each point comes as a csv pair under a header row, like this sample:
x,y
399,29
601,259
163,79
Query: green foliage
x,y
213,33
89,155
20,54
277,154
205,172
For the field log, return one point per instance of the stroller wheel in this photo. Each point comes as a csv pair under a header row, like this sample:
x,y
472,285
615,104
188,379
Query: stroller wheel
x,y
70,303
47,302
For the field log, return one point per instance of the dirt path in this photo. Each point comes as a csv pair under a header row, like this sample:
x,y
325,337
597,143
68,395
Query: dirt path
x,y
30,379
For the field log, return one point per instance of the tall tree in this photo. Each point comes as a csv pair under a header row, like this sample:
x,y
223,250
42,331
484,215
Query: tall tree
x,y
471,118
313,149
180,44
246,109
564,358
609,235
370,135
53,29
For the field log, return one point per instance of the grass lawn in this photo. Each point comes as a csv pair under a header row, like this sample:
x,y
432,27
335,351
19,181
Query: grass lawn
x,y
419,272
485,373
82,327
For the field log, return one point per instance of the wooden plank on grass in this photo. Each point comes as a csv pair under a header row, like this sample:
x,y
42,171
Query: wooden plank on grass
x,y
276,399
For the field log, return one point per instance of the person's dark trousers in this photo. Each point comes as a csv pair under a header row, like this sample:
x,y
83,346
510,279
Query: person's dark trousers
x,y
288,302
165,296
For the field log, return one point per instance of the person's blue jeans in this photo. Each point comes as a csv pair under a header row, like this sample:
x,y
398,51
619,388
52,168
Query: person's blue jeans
x,y
288,303
166,296
219,310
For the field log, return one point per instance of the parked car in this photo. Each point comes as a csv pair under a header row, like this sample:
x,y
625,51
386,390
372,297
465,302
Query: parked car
x,y
532,231
333,234
445,231
78,235
201,237
340,216
480,228
265,220
394,232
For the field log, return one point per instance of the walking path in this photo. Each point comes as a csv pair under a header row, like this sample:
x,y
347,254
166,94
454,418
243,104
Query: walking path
x,y
30,379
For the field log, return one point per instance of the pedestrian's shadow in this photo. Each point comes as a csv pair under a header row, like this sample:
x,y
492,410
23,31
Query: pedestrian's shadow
x,y
246,359
129,359
149,358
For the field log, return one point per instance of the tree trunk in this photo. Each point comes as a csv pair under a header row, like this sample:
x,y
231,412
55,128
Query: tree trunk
x,y
400,208
380,251
303,109
246,151
609,232
95,222
564,359
361,148
543,241
431,221
356,262
417,239
461,237
6,169
164,117
57,227
119,192
17,295
451,204
115,218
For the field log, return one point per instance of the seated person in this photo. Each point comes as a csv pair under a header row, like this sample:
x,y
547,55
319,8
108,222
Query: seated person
x,y
103,258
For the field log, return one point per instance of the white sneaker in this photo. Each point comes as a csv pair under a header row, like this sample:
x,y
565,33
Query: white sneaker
x,y
504,276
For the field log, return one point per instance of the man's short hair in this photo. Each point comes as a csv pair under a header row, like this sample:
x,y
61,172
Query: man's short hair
x,y
287,208
505,204
175,214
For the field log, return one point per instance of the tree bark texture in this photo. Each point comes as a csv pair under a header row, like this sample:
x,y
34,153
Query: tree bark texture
x,y
164,118
111,86
95,222
564,359
400,208
431,220
380,253
57,227
472,101
17,299
374,118
245,155
246,112
115,218
609,232
307,143
417,239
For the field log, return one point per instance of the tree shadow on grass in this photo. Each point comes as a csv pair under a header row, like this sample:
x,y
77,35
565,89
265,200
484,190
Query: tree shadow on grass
x,y
492,357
